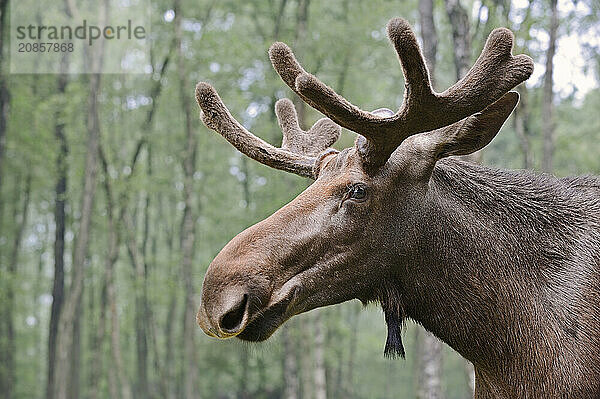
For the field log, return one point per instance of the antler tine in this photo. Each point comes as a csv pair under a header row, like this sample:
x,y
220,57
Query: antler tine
x,y
418,86
419,98
299,149
317,94
326,100
488,121
495,72
217,117
318,138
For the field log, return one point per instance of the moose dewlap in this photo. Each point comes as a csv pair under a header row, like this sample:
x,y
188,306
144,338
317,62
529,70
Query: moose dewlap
x,y
504,266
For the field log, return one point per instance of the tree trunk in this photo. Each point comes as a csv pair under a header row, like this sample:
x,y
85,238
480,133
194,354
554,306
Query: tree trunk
x,y
116,373
522,128
470,375
319,369
67,329
169,354
97,335
140,295
144,304
429,36
548,124
59,233
4,92
290,365
262,373
243,391
39,287
307,344
188,223
188,233
459,20
75,354
170,374
429,363
8,347
68,346
67,360
349,380
97,341
159,368
141,386
461,37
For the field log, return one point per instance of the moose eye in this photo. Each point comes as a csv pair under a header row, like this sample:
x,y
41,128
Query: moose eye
x,y
358,192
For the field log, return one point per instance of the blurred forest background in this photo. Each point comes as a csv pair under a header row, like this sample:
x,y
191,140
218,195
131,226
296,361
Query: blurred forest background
x,y
114,198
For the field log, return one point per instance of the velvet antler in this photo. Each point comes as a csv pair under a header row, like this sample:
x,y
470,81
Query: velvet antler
x,y
495,72
299,148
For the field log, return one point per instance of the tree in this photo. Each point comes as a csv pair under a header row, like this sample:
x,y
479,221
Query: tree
x,y
548,124
66,383
461,37
4,91
8,378
60,200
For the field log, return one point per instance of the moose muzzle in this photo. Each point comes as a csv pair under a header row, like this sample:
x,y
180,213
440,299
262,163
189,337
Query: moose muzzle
x,y
226,314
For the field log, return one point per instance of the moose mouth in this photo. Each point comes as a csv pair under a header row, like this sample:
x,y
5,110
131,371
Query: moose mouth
x,y
267,321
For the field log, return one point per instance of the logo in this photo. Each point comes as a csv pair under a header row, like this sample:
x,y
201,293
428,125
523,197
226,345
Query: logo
x,y
86,36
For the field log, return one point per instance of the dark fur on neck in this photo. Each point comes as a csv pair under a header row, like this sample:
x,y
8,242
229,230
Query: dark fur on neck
x,y
395,317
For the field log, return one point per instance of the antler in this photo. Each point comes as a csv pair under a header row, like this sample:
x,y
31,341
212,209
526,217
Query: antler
x,y
495,72
299,148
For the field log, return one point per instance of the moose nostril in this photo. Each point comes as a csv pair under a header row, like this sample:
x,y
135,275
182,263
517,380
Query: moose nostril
x,y
232,320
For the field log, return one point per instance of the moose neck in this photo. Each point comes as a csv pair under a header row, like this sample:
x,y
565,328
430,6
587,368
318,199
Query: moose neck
x,y
489,278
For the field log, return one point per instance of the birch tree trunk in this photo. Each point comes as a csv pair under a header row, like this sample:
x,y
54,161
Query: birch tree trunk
x,y
429,363
319,370
349,384
548,124
307,345
290,365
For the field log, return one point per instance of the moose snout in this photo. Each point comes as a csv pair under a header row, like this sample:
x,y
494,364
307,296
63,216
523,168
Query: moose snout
x,y
224,314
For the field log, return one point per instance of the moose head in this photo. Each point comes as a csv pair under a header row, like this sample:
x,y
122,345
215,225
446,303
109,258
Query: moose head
x,y
358,232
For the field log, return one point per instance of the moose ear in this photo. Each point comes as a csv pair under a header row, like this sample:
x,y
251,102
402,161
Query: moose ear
x,y
472,133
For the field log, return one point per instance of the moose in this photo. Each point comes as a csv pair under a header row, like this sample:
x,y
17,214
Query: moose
x,y
503,266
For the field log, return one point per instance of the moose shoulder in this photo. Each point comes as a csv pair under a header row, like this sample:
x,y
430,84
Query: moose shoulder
x,y
504,266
